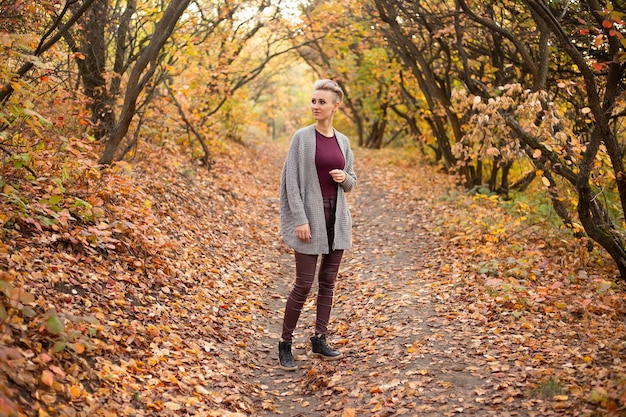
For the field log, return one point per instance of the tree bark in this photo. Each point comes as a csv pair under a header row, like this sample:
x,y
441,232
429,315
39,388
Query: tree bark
x,y
93,66
142,72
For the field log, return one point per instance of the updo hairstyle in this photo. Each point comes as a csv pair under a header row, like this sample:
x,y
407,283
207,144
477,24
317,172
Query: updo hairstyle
x,y
329,85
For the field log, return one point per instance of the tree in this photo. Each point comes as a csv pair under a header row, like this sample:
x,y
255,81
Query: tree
x,y
413,40
141,74
578,156
229,47
91,43
448,47
60,25
350,52
499,94
601,70
27,22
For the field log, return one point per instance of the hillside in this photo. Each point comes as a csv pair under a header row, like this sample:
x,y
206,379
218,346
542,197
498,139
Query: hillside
x,y
162,295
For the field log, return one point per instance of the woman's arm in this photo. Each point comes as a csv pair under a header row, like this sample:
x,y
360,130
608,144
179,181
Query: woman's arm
x,y
350,180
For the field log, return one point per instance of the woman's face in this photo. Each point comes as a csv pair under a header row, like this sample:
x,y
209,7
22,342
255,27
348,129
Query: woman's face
x,y
323,104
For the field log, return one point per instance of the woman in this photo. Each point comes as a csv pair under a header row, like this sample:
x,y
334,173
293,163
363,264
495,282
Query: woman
x,y
315,218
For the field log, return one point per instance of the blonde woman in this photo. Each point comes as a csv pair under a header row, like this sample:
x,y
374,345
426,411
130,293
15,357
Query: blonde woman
x,y
315,218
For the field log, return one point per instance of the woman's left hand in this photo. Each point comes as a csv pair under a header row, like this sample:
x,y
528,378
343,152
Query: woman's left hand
x,y
338,175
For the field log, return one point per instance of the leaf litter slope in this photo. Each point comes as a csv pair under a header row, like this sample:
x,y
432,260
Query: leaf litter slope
x,y
187,276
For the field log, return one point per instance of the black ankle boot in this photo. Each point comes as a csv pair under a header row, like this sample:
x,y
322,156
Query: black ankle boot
x,y
320,348
285,357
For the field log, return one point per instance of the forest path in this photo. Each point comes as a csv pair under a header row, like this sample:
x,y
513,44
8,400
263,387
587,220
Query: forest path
x,y
405,353
448,304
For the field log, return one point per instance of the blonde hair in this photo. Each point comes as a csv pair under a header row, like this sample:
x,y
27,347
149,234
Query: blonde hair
x,y
329,85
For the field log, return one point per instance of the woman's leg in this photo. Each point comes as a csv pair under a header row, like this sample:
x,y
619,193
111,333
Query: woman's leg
x,y
329,268
305,273
327,276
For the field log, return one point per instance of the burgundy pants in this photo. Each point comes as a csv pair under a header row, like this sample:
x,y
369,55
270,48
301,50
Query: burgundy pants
x,y
305,274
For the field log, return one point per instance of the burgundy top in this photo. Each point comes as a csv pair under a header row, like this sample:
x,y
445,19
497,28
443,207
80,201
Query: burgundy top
x,y
328,156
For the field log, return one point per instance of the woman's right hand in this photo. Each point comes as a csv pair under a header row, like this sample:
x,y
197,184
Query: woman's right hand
x,y
303,232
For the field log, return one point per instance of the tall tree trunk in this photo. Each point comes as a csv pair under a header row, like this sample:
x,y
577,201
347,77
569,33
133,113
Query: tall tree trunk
x,y
592,215
94,49
504,182
142,72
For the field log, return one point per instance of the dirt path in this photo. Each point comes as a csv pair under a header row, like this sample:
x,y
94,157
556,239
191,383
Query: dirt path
x,y
404,352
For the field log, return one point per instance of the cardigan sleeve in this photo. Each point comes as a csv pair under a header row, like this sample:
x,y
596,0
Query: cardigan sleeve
x,y
350,181
291,183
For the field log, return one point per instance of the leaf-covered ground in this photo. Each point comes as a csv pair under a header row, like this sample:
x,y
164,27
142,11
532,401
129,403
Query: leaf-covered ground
x,y
163,296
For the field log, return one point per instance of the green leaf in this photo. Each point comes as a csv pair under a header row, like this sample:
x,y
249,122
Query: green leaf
x,y
47,221
79,202
3,312
28,311
55,199
54,325
58,347
72,335
598,395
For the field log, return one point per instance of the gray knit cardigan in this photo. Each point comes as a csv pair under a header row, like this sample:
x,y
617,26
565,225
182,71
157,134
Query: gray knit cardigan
x,y
301,196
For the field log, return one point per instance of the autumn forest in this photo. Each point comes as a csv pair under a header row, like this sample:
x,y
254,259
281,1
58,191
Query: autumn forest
x,y
142,272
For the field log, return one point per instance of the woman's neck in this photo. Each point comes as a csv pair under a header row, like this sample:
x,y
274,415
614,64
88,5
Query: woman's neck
x,y
325,128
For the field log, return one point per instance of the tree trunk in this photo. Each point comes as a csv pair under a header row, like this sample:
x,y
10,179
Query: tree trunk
x,y
376,134
92,68
592,216
504,182
493,175
139,76
523,183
